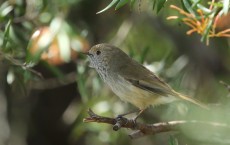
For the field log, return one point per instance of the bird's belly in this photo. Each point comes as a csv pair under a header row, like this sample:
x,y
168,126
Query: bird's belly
x,y
136,96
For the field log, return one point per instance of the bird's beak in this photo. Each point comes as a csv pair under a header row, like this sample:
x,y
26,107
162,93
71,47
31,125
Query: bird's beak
x,y
88,54
85,53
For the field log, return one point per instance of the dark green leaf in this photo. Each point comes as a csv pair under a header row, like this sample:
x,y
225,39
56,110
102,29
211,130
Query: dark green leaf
x,y
109,6
82,82
154,4
207,29
121,3
183,6
6,35
144,54
160,5
131,52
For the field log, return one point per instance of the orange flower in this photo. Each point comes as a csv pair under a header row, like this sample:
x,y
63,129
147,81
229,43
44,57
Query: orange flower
x,y
202,24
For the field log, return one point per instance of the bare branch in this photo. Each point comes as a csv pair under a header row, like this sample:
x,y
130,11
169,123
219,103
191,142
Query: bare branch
x,y
145,129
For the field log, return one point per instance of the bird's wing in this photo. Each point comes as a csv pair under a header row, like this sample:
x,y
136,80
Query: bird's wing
x,y
145,79
147,87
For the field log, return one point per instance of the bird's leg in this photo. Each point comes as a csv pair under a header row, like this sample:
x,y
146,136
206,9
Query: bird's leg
x,y
141,111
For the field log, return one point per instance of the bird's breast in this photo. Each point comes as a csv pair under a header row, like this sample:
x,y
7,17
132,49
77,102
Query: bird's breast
x,y
130,93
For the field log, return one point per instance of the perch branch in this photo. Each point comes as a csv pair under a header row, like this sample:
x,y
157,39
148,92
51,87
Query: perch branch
x,y
145,129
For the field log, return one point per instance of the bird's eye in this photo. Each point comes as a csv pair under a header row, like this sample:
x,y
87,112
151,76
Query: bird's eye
x,y
98,52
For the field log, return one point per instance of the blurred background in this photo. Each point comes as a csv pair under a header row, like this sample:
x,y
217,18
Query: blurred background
x,y
46,86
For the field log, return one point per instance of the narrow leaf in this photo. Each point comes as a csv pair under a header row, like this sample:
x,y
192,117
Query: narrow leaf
x,y
225,6
188,7
206,32
160,5
121,3
108,7
6,34
6,11
144,54
195,2
203,8
64,46
154,4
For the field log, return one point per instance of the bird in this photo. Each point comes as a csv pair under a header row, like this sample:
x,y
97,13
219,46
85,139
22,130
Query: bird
x,y
130,80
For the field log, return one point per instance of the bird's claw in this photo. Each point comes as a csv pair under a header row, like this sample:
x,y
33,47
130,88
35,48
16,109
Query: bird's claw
x,y
120,121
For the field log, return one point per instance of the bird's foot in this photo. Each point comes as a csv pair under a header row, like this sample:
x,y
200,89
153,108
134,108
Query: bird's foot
x,y
134,111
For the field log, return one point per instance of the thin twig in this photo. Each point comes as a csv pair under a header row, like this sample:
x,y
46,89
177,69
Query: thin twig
x,y
52,83
25,66
226,85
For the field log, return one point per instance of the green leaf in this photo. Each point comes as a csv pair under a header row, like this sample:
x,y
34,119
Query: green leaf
x,y
204,9
195,2
6,11
154,4
131,52
121,3
173,141
35,58
217,4
6,35
144,54
225,6
64,44
206,32
160,5
188,7
109,6
82,82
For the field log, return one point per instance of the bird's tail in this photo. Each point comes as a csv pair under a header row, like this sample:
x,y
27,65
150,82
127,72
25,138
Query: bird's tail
x,y
192,100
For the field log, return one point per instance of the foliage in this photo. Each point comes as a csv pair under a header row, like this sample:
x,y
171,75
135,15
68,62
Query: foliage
x,y
201,19
48,86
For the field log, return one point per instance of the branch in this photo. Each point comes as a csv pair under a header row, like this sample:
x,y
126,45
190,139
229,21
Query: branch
x,y
53,82
226,85
16,62
145,129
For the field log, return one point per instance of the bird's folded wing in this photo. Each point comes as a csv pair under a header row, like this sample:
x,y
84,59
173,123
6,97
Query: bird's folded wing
x,y
154,88
144,79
